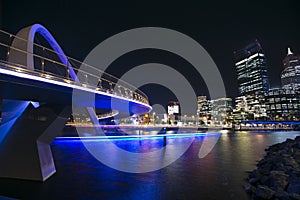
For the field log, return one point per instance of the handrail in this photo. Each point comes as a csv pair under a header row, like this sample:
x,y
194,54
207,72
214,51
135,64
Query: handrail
x,y
69,58
48,75
113,84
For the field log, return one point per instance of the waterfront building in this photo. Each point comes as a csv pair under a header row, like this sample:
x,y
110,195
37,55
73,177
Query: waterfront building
x,y
257,105
283,104
241,111
174,112
250,107
201,101
290,76
203,110
250,64
220,109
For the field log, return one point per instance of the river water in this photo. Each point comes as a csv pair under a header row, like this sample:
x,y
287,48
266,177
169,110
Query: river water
x,y
219,174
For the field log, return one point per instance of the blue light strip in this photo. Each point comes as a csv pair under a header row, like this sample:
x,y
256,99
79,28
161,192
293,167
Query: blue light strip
x,y
135,137
270,122
12,110
37,78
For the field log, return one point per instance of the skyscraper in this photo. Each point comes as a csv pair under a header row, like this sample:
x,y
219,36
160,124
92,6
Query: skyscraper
x,y
250,63
290,76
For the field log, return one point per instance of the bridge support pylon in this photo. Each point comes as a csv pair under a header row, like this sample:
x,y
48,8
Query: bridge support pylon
x,y
26,132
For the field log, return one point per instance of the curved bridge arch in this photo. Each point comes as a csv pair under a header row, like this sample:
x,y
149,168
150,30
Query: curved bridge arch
x,y
31,122
25,42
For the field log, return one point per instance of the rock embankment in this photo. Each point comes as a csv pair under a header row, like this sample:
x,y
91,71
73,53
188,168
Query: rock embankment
x,y
278,174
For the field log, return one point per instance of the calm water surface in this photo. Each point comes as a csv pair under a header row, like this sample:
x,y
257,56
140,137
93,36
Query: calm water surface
x,y
219,175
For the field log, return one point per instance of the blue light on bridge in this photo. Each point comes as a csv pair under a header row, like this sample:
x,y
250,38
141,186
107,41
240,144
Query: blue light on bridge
x,y
271,122
12,110
134,137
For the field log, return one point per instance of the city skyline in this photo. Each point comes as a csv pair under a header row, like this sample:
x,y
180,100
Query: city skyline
x,y
139,100
220,30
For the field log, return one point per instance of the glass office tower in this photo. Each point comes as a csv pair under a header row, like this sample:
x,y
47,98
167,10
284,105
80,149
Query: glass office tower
x,y
250,63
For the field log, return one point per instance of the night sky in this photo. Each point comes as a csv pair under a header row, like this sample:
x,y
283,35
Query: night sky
x,y
220,27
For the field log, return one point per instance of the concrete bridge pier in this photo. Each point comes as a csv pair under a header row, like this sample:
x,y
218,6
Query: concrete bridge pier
x,y
26,132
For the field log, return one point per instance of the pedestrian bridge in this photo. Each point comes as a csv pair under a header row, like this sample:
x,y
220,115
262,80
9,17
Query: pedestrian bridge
x,y
39,86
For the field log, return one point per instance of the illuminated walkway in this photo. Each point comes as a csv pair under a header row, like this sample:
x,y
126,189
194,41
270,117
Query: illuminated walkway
x,y
37,86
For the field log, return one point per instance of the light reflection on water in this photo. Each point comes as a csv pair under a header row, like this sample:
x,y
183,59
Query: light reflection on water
x,y
219,175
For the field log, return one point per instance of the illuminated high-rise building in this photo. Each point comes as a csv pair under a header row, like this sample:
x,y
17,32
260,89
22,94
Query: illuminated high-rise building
x,y
290,76
250,64
283,104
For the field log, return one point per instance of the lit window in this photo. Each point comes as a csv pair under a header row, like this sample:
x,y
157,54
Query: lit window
x,y
278,106
272,107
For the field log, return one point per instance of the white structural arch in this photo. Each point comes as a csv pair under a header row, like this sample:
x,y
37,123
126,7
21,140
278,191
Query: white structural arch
x,y
24,42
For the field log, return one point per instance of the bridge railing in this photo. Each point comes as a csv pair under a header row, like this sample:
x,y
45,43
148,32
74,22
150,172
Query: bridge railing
x,y
47,64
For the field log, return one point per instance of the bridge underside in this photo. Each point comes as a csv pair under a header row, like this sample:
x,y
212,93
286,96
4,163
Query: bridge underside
x,y
25,89
26,134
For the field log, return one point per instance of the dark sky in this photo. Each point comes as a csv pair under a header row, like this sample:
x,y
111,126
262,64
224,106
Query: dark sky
x,y
220,27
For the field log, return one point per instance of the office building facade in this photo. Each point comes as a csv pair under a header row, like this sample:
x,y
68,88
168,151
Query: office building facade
x,y
220,109
283,104
250,64
290,76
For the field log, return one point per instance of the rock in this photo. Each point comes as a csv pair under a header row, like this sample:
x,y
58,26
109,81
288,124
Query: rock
x,y
253,180
249,189
279,184
265,169
297,139
294,196
264,192
294,174
286,155
277,175
279,166
294,187
265,180
296,156
278,180
255,174
282,195
291,162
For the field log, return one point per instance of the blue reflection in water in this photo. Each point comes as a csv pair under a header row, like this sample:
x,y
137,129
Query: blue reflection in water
x,y
138,144
219,175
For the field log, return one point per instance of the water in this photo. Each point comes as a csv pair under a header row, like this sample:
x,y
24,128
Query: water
x,y
219,175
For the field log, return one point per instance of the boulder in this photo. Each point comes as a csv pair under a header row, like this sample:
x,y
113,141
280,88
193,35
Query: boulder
x,y
253,180
282,195
291,162
249,189
277,175
278,180
294,186
294,196
264,192
297,139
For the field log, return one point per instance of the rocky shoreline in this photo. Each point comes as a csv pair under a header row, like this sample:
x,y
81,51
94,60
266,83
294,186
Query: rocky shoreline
x,y
277,175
